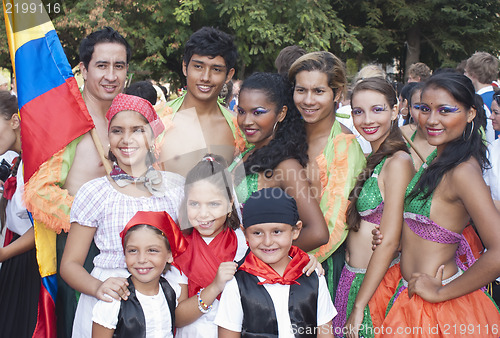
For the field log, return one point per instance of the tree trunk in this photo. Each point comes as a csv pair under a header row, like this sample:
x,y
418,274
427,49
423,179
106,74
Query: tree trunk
x,y
412,48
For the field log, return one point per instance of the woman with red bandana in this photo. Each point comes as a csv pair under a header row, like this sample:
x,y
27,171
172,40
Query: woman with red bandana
x,y
103,206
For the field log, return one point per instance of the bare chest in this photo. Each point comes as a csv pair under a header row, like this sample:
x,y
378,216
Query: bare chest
x,y
87,165
191,137
216,131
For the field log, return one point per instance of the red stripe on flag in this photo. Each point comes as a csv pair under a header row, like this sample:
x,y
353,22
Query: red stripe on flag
x,y
46,326
49,122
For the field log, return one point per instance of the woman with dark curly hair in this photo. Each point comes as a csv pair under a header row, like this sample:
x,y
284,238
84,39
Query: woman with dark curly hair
x,y
278,153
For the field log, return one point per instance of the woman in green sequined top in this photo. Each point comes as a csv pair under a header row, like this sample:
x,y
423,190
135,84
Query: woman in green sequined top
x,y
451,114
447,192
279,152
377,198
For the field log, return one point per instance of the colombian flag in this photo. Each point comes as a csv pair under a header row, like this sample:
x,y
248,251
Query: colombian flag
x,y
52,109
53,114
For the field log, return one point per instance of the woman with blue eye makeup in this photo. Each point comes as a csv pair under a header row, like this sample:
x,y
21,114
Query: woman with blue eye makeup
x,y
278,153
439,294
377,199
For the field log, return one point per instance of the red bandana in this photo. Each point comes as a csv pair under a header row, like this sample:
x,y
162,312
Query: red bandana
x,y
130,102
201,261
162,221
256,267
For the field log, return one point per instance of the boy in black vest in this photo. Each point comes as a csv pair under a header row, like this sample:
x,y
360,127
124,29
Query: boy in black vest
x,y
269,295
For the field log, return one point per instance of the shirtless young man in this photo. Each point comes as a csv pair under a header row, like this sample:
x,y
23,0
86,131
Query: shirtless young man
x,y
200,124
104,57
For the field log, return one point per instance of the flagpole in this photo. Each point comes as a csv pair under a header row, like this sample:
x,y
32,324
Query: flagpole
x,y
100,150
410,142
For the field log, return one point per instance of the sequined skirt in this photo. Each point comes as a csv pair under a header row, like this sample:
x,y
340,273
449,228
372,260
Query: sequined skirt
x,y
374,313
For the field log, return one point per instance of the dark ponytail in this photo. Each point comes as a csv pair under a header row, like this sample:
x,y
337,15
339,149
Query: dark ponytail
x,y
212,168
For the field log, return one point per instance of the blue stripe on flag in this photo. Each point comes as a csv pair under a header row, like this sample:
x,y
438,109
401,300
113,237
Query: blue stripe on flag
x,y
50,284
43,60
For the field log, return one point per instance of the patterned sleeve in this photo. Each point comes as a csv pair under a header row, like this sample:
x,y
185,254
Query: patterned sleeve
x,y
88,205
106,314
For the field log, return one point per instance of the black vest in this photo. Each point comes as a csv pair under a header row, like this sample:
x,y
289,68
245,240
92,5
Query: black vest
x,y
259,316
131,320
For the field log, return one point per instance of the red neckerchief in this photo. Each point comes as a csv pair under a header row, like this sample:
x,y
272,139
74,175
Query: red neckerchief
x,y
201,261
10,185
256,267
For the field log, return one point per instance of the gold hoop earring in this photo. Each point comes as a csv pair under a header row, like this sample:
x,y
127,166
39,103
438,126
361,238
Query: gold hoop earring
x,y
274,128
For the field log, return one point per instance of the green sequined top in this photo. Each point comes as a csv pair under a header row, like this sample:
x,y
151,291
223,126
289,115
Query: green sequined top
x,y
412,138
418,205
247,187
249,184
370,197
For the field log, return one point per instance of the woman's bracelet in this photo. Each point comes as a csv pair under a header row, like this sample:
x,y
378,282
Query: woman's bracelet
x,y
204,308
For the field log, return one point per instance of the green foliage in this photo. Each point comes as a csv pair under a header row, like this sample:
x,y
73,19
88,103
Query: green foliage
x,y
449,30
263,27
4,48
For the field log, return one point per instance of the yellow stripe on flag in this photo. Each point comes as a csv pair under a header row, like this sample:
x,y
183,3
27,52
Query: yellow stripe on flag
x,y
24,27
32,34
45,241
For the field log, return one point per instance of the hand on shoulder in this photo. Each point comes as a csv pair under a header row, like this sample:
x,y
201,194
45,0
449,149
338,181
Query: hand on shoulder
x,y
114,287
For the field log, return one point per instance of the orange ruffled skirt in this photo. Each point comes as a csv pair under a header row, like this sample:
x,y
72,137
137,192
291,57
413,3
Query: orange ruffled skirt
x,y
380,299
472,315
